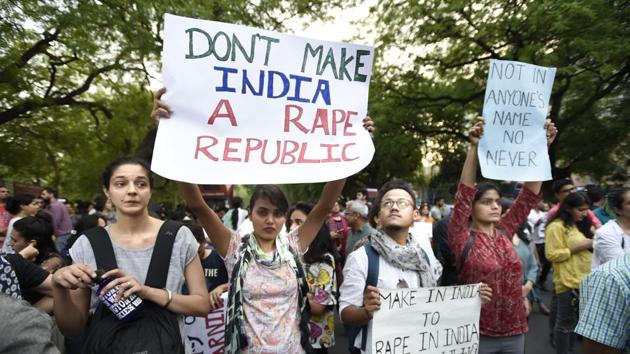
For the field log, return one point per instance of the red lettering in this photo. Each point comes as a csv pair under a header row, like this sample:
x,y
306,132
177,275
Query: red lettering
x,y
321,121
229,114
294,120
262,158
227,150
287,152
329,147
338,119
302,159
204,150
249,147
343,152
348,125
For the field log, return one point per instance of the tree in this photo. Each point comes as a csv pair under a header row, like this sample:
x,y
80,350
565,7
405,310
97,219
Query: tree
x,y
431,101
73,78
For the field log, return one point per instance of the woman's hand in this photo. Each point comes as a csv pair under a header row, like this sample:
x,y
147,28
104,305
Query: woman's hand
x,y
128,285
528,306
160,109
75,276
368,124
526,288
215,296
486,293
29,252
552,131
476,132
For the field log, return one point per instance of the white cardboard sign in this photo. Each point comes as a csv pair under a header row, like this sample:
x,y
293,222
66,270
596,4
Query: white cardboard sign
x,y
427,320
514,143
254,106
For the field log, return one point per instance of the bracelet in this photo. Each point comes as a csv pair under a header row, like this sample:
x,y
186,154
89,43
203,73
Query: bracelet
x,y
170,298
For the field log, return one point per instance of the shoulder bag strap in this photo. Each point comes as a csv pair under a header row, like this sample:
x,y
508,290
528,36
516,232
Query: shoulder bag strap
x,y
161,256
372,279
102,248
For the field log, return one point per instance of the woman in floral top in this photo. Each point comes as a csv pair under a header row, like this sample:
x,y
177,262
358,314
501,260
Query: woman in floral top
x,y
491,258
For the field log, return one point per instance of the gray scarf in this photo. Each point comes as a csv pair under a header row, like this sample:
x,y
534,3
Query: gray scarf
x,y
406,257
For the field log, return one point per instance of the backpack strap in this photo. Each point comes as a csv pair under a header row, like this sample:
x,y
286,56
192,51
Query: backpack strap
x,y
372,279
161,256
466,250
102,248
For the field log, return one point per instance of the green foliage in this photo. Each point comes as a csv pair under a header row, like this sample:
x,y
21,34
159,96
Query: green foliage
x,y
426,106
73,78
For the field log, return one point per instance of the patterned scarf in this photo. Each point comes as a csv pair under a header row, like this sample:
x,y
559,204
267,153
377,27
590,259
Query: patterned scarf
x,y
235,338
405,257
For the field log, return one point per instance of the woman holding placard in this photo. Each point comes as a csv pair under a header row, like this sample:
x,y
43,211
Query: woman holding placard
x,y
267,308
482,243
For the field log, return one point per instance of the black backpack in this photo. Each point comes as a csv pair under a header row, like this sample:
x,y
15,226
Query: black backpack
x,y
154,329
372,279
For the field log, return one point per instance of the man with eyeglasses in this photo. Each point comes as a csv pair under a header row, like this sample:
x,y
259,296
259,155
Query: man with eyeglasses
x,y
402,262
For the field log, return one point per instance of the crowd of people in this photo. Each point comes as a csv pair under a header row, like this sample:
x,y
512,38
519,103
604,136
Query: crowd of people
x,y
92,277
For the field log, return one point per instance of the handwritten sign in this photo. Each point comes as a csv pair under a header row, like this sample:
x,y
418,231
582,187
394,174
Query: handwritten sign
x,y
514,143
254,106
206,335
439,320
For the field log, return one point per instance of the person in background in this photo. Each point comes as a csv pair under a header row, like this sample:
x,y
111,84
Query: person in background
x,y
437,209
20,206
60,217
521,241
338,229
234,217
362,197
425,214
604,321
567,249
5,216
357,217
561,188
613,239
537,219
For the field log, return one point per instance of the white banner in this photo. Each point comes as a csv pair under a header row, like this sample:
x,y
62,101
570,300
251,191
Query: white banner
x,y
206,335
439,320
248,103
514,142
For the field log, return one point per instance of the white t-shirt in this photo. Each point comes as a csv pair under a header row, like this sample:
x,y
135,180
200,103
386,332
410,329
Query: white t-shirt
x,y
538,231
355,277
609,242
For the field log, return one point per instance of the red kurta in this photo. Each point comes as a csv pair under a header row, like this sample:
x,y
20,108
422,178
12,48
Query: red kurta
x,y
492,260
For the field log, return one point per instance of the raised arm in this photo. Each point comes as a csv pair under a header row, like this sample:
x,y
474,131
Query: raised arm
x,y
469,171
209,220
317,216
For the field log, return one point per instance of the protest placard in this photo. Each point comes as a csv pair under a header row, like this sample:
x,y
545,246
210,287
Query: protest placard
x,y
254,106
514,143
206,335
442,320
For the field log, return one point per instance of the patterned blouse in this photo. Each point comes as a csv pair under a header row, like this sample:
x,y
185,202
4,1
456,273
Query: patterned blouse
x,y
270,303
322,283
492,260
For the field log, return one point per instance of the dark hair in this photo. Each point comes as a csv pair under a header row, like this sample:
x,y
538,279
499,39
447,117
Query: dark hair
x,y
594,193
584,226
37,228
106,176
301,206
321,245
388,186
557,185
615,198
51,190
272,193
237,202
573,200
483,187
523,232
99,202
85,223
196,230
363,191
15,203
